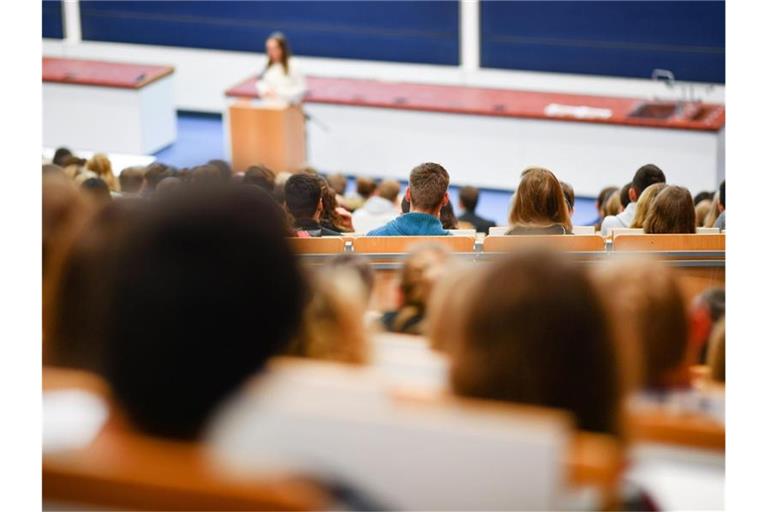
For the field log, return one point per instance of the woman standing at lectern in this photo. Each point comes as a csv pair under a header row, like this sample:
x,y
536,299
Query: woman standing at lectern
x,y
280,80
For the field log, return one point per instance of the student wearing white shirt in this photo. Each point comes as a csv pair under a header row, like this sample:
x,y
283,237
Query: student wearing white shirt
x,y
280,80
645,176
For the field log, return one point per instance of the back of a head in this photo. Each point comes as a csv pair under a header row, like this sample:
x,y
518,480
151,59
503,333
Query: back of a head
x,y
649,315
671,212
208,175
365,187
570,195
534,332
261,177
704,195
624,195
97,189
389,190
428,184
155,172
302,195
645,176
469,197
602,199
644,204
358,264
448,217
205,290
60,156
702,211
338,183
100,164
132,179
225,170
539,201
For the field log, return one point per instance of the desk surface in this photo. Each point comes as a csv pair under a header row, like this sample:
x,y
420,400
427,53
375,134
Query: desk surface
x,y
483,101
100,73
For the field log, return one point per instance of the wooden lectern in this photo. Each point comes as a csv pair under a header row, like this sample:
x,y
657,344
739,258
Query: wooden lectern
x,y
268,134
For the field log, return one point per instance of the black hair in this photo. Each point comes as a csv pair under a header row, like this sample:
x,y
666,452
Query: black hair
x,y
204,289
722,194
624,195
302,195
61,156
703,196
97,188
469,196
646,176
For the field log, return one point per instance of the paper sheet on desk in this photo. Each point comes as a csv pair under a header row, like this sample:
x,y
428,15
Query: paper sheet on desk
x,y
71,419
577,111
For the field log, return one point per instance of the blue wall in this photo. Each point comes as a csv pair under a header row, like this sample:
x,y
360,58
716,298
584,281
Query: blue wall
x,y
419,32
53,20
606,38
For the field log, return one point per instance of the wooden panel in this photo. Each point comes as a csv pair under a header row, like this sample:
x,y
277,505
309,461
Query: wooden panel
x,y
318,245
687,242
267,135
401,244
694,280
102,73
123,469
559,242
691,430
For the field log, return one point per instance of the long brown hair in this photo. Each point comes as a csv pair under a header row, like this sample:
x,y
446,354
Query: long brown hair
x,y
643,205
539,201
285,50
671,212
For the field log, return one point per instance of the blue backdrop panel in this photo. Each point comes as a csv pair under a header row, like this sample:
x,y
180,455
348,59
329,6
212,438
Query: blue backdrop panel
x,y
424,32
53,20
606,38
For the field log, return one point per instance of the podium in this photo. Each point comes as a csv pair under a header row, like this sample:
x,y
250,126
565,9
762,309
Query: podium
x,y
268,134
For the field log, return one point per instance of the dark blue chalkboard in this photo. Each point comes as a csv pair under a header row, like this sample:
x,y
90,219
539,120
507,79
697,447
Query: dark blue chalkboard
x,y
53,19
419,32
606,38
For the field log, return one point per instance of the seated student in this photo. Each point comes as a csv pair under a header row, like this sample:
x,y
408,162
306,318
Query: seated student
x,y
61,156
706,309
303,200
720,222
539,207
379,209
702,210
338,182
96,189
260,176
704,195
570,197
333,216
154,173
671,212
423,267
600,203
184,323
624,196
333,326
364,188
448,217
100,164
645,176
427,193
468,199
225,170
644,204
131,180
534,331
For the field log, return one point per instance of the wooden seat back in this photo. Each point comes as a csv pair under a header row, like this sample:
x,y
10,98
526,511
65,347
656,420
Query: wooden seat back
x,y
559,242
318,245
682,429
672,242
402,244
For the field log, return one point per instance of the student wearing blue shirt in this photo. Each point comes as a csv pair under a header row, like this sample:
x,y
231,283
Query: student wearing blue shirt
x,y
427,193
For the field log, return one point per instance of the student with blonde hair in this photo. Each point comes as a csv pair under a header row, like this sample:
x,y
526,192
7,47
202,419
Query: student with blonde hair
x,y
99,163
644,203
671,212
702,210
539,206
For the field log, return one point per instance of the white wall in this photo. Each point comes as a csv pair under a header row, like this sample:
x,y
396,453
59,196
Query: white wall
x,y
202,76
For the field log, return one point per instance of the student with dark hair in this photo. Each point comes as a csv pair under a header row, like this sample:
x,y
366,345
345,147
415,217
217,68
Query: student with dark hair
x,y
539,206
671,212
61,157
225,170
97,189
624,195
427,193
131,180
644,177
600,203
534,331
570,196
183,327
260,176
333,216
304,202
720,222
468,199
704,195
447,217
153,174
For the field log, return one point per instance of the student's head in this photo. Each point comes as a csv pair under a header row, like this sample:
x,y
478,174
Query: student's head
x,y
365,187
428,188
100,164
423,267
332,326
132,179
225,170
714,211
703,196
446,307
648,314
644,204
96,189
303,193
702,210
645,176
60,156
277,50
358,264
716,353
207,290
168,186
602,199
207,175
706,309
570,196
389,190
260,176
534,332
624,195
65,210
613,204
671,212
539,201
154,173
448,217
468,198
338,183
721,197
